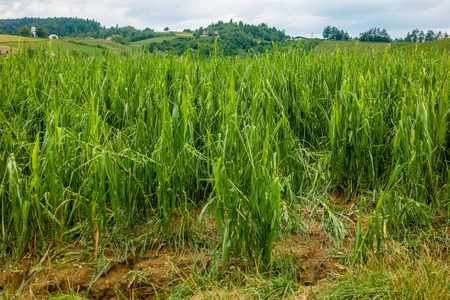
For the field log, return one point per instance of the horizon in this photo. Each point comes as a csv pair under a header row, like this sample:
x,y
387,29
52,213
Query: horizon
x,y
296,18
171,29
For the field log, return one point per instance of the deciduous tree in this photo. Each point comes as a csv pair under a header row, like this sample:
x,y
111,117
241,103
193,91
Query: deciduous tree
x,y
41,32
375,35
117,38
333,33
25,31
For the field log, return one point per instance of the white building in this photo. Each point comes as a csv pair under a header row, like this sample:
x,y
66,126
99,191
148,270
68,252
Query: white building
x,y
33,31
53,36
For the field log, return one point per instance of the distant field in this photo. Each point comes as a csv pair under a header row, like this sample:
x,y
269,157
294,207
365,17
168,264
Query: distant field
x,y
162,38
353,45
442,45
183,34
11,42
155,40
12,38
346,46
4,47
91,46
397,45
88,46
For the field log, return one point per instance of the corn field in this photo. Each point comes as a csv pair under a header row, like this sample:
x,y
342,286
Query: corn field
x,y
330,46
89,144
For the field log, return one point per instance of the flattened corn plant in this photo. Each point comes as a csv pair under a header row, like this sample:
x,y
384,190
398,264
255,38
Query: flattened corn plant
x,y
92,143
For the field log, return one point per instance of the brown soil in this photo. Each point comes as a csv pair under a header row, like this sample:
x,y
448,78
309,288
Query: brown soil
x,y
316,254
68,271
156,271
138,279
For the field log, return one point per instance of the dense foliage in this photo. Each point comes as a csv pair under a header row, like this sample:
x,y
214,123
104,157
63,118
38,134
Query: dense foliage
x,y
92,144
225,38
375,35
222,46
128,33
239,33
59,26
418,36
233,37
380,35
333,33
243,33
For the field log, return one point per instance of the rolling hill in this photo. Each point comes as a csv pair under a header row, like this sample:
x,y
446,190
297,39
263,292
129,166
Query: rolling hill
x,y
76,45
351,45
354,45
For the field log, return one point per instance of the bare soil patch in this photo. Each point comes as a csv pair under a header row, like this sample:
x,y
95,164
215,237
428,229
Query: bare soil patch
x,y
154,275
139,278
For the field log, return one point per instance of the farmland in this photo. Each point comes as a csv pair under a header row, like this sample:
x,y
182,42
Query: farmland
x,y
257,175
352,45
72,45
160,39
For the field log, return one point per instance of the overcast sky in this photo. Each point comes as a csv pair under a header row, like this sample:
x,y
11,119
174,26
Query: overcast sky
x,y
301,17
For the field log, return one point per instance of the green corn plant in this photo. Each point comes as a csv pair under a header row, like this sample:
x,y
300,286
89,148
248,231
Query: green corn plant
x,y
365,240
93,145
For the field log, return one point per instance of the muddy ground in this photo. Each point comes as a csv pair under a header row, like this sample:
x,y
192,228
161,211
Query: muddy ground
x,y
70,271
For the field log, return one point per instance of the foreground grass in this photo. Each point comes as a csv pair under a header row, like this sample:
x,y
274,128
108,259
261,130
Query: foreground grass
x,y
416,268
399,275
93,147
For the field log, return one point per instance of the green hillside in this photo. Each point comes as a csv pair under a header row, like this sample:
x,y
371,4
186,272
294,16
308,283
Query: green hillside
x,y
177,43
397,45
169,36
440,45
233,38
351,45
75,45
367,47
159,39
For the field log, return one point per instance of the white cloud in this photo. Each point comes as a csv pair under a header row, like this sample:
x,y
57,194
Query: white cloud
x,y
296,17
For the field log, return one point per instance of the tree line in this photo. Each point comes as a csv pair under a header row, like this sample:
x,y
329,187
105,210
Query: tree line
x,y
73,27
380,35
373,35
234,35
419,36
59,26
333,33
